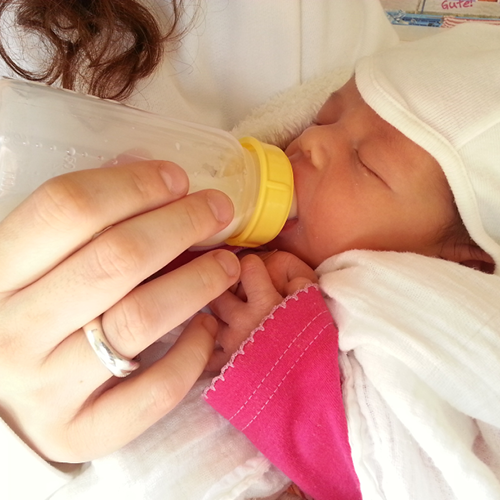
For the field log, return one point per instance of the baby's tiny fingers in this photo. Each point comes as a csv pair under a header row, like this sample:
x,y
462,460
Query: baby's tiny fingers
x,y
218,359
256,280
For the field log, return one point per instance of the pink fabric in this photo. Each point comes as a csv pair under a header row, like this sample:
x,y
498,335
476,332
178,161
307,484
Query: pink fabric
x,y
283,390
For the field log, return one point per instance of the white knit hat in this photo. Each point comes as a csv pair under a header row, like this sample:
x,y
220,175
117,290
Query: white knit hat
x,y
443,92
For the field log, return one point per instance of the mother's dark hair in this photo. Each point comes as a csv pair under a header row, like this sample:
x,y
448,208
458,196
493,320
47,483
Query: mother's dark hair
x,y
102,47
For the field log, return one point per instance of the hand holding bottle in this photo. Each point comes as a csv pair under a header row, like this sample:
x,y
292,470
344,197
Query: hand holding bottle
x,y
56,275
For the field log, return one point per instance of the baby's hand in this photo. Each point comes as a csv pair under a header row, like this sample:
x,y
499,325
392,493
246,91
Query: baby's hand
x,y
265,282
287,272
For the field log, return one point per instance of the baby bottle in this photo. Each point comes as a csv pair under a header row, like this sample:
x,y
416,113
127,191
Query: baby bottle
x,y
45,132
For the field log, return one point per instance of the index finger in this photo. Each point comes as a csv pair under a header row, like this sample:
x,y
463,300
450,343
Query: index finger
x,y
66,212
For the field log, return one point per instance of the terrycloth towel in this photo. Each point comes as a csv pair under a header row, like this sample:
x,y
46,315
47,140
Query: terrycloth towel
x,y
420,354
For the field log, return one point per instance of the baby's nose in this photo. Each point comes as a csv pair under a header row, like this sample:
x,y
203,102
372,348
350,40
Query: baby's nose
x,y
319,143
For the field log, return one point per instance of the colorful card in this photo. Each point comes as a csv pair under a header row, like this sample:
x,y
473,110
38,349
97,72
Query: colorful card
x,y
441,13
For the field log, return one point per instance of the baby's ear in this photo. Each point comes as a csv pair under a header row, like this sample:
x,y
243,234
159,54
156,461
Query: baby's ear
x,y
469,255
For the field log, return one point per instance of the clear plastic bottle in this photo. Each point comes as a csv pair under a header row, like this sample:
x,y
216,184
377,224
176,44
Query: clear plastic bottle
x,y
45,132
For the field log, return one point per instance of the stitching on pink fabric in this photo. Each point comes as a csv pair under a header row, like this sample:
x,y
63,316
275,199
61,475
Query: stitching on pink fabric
x,y
284,377
279,360
260,328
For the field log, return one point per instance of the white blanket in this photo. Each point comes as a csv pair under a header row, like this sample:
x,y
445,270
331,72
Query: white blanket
x,y
420,353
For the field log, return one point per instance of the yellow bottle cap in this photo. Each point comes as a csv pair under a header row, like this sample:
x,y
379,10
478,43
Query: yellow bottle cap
x,y
275,195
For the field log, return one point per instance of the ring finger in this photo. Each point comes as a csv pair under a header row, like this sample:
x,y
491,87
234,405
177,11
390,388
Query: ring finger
x,y
146,314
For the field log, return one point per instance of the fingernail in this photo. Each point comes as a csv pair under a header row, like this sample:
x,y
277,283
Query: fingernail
x,y
229,262
221,206
175,178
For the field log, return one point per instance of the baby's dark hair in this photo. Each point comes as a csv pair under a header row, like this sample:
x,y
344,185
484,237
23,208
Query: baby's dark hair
x,y
457,234
101,47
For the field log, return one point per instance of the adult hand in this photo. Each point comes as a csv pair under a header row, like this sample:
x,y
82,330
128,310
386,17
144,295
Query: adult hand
x,y
56,275
266,280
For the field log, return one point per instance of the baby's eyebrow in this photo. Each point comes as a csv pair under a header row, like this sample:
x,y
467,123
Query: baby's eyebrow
x,y
335,95
333,104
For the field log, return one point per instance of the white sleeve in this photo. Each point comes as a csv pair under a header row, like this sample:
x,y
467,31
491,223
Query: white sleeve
x,y
24,474
193,453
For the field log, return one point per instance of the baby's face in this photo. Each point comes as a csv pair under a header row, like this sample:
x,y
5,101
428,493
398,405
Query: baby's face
x,y
362,184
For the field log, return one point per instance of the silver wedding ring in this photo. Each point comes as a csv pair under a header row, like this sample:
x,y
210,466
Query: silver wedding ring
x,y
113,361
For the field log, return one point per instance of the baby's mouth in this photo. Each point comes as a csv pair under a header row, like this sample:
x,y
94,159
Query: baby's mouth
x,y
293,209
289,224
292,218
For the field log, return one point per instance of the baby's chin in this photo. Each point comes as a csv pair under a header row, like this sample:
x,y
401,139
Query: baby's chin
x,y
281,242
277,244
286,241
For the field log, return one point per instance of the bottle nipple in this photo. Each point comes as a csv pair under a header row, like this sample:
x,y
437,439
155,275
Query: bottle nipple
x,y
293,207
